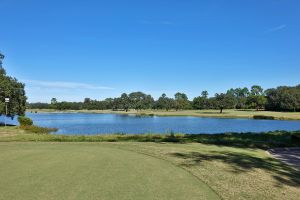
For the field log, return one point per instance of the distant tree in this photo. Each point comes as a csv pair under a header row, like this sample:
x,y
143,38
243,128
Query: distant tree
x,y
102,105
201,102
53,101
89,104
257,90
109,103
160,103
164,102
38,105
212,103
148,102
198,103
204,94
140,100
257,97
125,101
240,96
117,104
283,98
181,101
53,104
87,100
135,99
224,101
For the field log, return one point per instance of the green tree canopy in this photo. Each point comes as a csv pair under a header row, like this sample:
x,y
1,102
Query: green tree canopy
x,y
283,98
181,101
201,102
257,97
125,101
14,90
140,100
224,101
164,102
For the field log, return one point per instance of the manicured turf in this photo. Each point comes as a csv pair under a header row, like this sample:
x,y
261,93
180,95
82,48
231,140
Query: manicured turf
x,y
92,171
228,113
235,167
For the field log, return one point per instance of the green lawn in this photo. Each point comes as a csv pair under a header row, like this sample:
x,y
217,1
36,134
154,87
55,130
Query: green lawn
x,y
138,170
230,113
92,171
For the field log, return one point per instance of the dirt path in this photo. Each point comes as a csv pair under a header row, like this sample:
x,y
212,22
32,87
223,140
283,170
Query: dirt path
x,y
290,156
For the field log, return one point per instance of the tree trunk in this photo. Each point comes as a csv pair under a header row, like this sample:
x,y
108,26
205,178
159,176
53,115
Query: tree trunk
x,y
221,110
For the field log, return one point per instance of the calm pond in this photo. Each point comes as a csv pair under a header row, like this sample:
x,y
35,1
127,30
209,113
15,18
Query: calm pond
x,y
78,123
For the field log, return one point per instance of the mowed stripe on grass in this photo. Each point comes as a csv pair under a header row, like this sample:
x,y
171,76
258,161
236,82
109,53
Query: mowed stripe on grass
x,y
91,171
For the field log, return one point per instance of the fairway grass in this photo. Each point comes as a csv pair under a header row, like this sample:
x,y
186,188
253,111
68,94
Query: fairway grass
x,y
134,170
229,113
91,171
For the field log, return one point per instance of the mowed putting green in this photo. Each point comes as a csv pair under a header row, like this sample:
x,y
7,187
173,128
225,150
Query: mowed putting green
x,y
91,171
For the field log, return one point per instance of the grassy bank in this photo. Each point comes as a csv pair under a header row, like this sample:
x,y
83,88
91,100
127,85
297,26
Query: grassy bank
x,y
252,140
197,113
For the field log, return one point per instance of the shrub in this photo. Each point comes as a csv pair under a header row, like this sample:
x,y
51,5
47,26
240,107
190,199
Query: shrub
x,y
295,137
171,138
25,121
38,129
263,117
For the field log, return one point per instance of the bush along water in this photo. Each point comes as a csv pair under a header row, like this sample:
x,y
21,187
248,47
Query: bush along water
x,y
263,117
25,121
27,124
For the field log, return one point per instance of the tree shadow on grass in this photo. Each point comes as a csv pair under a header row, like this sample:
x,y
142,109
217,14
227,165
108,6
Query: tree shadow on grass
x,y
241,163
264,140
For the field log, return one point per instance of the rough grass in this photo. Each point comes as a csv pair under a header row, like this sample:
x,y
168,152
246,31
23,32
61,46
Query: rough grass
x,y
263,140
37,129
234,173
229,113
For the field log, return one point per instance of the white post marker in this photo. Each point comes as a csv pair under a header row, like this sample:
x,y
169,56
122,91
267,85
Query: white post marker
x,y
6,102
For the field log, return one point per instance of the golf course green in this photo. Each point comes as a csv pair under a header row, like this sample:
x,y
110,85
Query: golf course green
x,y
92,171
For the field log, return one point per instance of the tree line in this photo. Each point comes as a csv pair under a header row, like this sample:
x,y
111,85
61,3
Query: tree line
x,y
282,98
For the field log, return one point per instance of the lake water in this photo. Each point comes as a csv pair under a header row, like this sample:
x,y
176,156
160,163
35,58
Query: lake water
x,y
78,123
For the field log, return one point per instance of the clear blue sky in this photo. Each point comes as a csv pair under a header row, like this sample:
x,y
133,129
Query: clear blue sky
x,y
76,49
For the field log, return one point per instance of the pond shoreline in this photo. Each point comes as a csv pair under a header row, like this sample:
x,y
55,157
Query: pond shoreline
x,y
233,114
263,140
